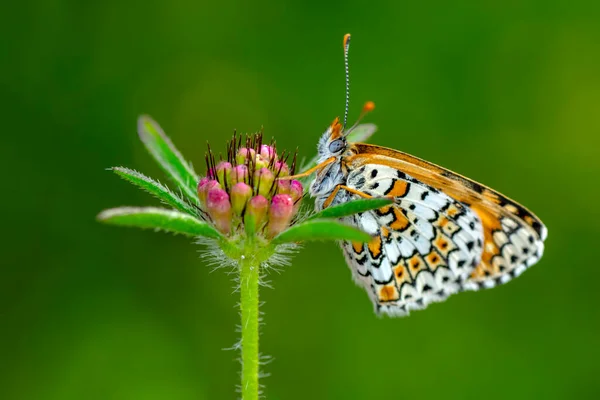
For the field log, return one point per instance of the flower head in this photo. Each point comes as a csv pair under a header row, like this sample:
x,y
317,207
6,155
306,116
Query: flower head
x,y
244,195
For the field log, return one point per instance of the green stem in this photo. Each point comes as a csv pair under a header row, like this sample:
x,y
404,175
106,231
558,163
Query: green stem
x,y
249,276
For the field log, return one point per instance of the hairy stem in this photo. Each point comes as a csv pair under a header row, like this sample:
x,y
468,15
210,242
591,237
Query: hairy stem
x,y
249,277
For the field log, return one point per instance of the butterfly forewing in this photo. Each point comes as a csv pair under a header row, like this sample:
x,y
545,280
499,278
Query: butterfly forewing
x,y
457,186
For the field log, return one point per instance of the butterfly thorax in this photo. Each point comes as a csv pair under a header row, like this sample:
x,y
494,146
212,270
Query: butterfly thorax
x,y
325,182
332,146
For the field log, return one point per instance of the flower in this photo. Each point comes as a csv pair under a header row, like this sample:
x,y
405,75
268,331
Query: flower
x,y
247,189
219,209
280,214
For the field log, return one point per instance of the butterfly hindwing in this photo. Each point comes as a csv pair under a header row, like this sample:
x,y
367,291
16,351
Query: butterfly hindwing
x,y
511,246
487,239
424,246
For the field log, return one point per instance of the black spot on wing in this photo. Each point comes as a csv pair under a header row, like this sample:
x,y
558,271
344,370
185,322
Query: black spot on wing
x,y
362,260
360,182
538,227
478,188
445,207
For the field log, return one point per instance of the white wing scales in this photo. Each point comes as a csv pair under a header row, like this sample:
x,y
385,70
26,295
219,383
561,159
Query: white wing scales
x,y
426,246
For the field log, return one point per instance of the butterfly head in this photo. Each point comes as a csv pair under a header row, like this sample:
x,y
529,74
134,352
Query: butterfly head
x,y
333,142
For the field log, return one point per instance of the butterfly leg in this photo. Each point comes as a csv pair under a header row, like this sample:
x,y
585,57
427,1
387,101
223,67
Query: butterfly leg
x,y
335,191
308,172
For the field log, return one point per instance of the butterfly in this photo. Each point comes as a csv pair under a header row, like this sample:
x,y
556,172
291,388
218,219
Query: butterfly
x,y
443,233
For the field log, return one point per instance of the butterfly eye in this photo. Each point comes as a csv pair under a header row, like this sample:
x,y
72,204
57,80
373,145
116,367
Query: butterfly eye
x,y
337,145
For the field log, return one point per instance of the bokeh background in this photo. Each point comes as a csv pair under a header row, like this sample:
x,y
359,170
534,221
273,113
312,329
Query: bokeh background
x,y
507,93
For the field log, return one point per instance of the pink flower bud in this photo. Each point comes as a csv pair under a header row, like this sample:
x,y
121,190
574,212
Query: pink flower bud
x,y
267,152
203,181
263,181
280,214
260,163
296,191
283,187
240,193
219,209
281,169
239,174
256,210
244,154
204,187
223,170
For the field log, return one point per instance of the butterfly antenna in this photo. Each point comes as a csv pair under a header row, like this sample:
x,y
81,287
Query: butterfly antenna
x,y
346,46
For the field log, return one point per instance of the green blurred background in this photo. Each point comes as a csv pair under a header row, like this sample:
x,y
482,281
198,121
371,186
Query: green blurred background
x,y
507,94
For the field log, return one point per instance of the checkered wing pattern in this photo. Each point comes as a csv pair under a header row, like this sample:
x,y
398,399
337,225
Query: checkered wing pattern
x,y
428,244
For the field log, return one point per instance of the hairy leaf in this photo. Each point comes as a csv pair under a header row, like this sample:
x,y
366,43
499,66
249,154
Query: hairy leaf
x,y
159,219
352,207
155,188
168,157
321,229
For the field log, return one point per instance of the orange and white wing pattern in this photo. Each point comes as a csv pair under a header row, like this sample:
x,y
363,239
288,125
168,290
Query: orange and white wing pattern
x,y
443,234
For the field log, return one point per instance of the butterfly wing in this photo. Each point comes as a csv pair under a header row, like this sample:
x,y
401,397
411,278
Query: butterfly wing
x,y
444,233
424,246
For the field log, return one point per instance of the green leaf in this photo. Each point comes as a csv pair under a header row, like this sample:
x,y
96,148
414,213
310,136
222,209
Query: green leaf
x,y
155,188
321,229
168,157
159,219
352,207
359,134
